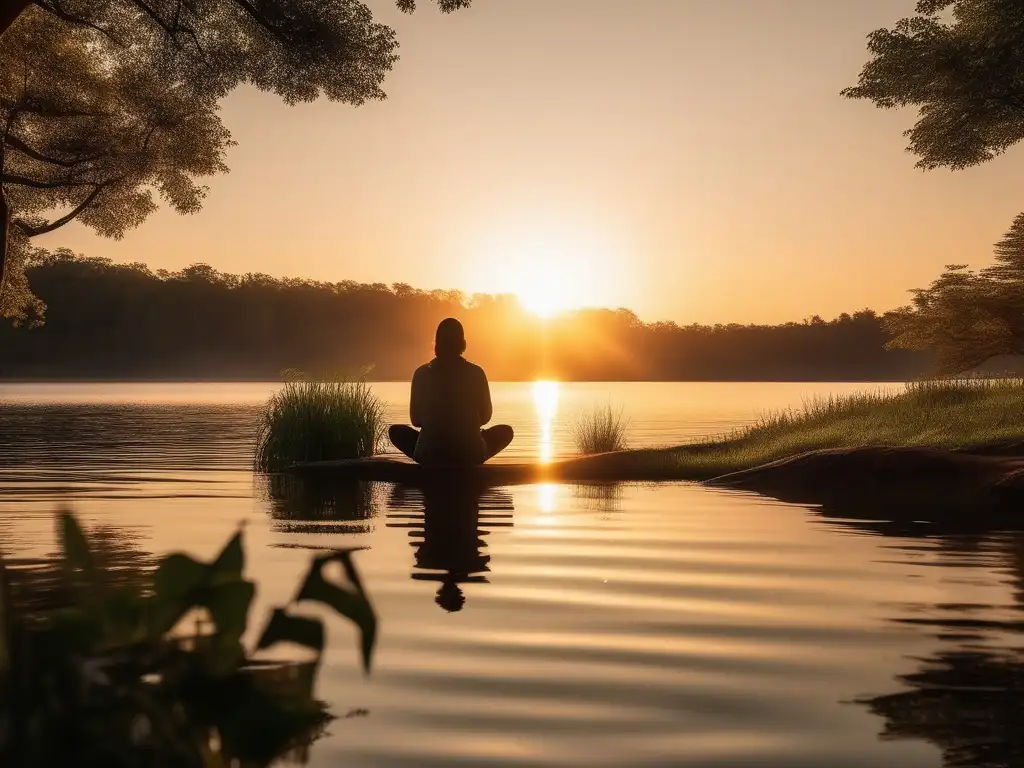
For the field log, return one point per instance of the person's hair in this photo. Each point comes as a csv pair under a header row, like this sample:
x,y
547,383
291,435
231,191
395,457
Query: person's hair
x,y
450,339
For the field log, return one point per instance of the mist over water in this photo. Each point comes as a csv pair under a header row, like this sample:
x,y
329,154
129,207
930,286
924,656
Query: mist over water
x,y
566,625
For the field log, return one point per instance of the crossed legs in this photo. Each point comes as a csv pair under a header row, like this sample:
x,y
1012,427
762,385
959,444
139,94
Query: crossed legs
x,y
496,438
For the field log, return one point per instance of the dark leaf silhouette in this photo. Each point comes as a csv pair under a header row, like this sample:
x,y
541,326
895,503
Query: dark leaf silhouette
x,y
284,627
350,603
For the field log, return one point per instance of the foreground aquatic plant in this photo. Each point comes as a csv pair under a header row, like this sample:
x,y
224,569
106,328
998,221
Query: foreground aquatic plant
x,y
319,420
107,677
600,430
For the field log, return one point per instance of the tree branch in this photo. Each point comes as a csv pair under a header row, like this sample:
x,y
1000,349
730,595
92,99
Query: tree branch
x,y
170,29
58,223
25,149
24,181
54,8
46,111
260,18
167,28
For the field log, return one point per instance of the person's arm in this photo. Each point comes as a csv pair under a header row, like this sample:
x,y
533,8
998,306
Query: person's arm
x,y
417,406
486,409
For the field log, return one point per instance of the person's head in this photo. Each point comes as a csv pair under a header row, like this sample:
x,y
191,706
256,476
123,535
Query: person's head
x,y
450,596
450,339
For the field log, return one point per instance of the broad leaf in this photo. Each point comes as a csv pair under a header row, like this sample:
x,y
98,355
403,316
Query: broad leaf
x,y
177,586
230,562
179,575
228,605
76,547
350,603
284,627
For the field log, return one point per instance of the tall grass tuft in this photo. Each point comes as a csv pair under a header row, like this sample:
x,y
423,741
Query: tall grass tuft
x,y
600,430
319,421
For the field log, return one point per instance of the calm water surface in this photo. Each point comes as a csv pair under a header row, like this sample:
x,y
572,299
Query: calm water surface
x,y
564,625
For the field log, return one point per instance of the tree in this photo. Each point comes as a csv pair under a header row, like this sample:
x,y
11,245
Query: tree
x,y
117,321
963,69
965,317
104,102
961,63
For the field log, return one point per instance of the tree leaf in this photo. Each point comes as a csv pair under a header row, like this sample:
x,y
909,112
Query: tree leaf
x,y
350,603
284,627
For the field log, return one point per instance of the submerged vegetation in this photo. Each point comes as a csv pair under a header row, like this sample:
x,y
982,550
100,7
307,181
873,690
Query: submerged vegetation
x,y
319,420
105,671
600,430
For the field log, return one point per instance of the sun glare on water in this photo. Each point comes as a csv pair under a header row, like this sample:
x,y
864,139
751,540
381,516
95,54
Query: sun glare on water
x,y
545,401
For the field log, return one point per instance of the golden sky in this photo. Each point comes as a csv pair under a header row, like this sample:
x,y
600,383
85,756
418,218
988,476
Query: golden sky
x,y
689,159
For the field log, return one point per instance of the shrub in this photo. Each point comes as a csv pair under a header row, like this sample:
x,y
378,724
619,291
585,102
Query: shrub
x,y
600,430
106,677
317,421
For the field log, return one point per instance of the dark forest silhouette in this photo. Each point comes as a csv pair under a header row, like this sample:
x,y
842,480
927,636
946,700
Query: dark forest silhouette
x,y
112,321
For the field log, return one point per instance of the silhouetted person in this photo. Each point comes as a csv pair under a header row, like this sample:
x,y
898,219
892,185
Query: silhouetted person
x,y
450,403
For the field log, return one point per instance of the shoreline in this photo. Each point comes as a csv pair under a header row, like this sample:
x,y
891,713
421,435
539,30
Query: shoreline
x,y
912,481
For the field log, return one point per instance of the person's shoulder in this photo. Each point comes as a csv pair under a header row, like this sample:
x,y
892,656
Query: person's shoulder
x,y
423,370
474,368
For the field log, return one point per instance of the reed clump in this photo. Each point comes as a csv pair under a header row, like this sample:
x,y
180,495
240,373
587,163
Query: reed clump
x,y
600,430
310,420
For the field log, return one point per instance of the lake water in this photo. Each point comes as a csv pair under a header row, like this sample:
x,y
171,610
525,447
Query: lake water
x,y
599,625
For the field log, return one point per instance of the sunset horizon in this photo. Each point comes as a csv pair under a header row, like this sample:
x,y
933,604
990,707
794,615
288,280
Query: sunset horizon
x,y
754,194
428,383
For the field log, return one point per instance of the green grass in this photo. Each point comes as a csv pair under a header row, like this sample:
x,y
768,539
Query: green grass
x,y
953,414
319,420
600,430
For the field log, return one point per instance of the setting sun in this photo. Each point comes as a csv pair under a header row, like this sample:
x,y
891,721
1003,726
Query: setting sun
x,y
546,294
550,264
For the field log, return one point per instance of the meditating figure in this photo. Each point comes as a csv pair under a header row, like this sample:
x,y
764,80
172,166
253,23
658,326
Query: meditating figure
x,y
450,403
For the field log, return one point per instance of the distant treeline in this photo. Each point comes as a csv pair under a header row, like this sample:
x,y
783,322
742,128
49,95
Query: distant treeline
x,y
111,321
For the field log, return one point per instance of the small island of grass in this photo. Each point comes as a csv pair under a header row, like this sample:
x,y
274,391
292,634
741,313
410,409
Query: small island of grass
x,y
938,443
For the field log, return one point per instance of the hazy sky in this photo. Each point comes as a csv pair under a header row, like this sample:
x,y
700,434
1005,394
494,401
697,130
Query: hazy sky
x,y
690,159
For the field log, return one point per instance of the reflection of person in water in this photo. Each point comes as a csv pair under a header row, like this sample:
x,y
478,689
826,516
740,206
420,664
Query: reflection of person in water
x,y
451,549
450,403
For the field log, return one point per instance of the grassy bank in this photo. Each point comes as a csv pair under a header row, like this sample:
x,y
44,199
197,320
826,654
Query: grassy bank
x,y
950,414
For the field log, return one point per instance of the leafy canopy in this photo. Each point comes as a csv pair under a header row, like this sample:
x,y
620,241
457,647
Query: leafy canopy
x,y
961,62
107,106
